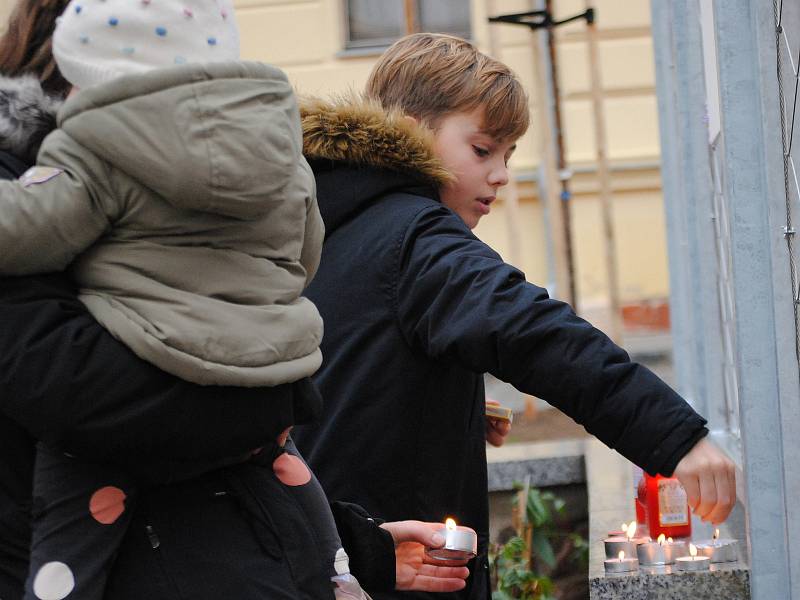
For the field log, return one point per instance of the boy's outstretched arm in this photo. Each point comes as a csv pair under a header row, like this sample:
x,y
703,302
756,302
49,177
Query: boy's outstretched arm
x,y
458,301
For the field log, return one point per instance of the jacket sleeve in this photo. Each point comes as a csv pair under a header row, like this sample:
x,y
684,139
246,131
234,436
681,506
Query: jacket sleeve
x,y
53,212
314,228
457,300
370,548
69,382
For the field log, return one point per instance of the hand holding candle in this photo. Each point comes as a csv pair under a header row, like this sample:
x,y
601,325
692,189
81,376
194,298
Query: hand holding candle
x,y
498,422
414,571
461,543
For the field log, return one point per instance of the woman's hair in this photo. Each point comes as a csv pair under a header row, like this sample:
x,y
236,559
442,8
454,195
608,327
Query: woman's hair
x,y
430,75
26,46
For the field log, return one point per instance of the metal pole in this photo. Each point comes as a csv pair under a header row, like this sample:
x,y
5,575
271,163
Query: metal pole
x,y
552,207
768,371
566,196
511,194
410,9
604,180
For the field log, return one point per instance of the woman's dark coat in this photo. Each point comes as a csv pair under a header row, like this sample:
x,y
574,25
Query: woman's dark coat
x,y
65,380
416,309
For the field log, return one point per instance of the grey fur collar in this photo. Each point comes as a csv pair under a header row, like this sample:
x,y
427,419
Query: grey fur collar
x,y
27,115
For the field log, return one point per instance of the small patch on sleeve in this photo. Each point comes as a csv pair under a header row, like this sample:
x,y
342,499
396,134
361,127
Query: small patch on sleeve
x,y
36,175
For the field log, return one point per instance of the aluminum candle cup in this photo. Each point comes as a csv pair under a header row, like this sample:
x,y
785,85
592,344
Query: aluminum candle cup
x,y
658,554
615,545
718,551
675,550
621,565
653,553
461,543
692,563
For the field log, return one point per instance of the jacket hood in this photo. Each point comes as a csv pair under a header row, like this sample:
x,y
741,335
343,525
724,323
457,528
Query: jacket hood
x,y
27,115
360,152
220,137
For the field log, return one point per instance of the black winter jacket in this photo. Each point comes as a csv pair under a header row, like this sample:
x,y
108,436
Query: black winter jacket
x,y
66,381
416,309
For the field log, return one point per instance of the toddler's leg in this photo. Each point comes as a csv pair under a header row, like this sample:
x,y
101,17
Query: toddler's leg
x,y
81,511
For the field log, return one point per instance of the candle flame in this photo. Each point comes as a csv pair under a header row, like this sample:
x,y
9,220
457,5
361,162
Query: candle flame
x,y
692,550
450,523
716,534
621,555
669,540
661,539
631,530
624,528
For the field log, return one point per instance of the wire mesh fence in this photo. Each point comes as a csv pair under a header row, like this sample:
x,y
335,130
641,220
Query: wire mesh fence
x,y
787,43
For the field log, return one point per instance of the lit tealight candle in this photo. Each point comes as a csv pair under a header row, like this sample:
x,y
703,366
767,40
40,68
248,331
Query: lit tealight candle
x,y
718,550
461,543
627,544
692,562
621,564
661,552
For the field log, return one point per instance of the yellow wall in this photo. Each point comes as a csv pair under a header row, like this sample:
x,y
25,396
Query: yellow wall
x,y
306,38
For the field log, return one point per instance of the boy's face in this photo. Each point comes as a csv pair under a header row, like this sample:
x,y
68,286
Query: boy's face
x,y
478,161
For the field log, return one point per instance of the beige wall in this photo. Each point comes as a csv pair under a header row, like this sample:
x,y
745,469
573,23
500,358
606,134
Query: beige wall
x,y
306,38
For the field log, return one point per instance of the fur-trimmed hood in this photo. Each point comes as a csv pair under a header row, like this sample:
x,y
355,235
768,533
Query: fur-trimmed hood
x,y
27,115
361,153
360,132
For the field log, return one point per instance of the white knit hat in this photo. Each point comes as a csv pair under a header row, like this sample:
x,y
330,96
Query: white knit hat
x,y
98,40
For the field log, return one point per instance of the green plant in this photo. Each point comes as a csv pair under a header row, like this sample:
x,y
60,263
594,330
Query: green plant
x,y
515,580
523,565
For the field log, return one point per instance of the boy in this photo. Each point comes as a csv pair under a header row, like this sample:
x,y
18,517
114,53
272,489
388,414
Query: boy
x,y
417,308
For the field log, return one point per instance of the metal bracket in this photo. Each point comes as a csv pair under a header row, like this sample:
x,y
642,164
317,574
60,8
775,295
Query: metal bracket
x,y
788,231
536,19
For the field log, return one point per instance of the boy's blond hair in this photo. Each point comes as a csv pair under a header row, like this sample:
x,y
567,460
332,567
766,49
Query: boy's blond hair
x,y
431,75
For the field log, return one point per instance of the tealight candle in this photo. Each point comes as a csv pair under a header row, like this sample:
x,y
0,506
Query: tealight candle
x,y
660,552
621,532
692,562
627,544
621,564
461,543
718,550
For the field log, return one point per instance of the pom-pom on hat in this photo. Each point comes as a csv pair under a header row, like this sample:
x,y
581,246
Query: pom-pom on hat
x,y
98,40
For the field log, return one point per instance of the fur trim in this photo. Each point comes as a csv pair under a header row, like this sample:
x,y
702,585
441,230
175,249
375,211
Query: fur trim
x,y
27,115
361,132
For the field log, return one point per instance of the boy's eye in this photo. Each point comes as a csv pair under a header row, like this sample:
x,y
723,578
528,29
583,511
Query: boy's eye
x,y
482,152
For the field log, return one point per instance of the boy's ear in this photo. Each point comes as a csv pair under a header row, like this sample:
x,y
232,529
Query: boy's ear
x,y
410,119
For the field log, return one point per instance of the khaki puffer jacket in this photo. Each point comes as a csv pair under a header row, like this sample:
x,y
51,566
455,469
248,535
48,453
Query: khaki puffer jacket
x,y
182,203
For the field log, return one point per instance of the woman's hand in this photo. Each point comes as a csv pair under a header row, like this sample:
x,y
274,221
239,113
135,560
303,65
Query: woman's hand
x,y
417,572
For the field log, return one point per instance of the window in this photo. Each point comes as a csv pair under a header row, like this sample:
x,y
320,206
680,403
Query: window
x,y
378,23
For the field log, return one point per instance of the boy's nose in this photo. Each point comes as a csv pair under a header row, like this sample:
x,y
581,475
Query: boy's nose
x,y
499,176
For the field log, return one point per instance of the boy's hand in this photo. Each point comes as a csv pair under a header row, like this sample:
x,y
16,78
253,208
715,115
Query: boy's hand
x,y
496,429
709,478
415,571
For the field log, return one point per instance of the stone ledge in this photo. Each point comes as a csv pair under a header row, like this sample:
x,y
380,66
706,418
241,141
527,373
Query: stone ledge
x,y
726,582
608,475
546,463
